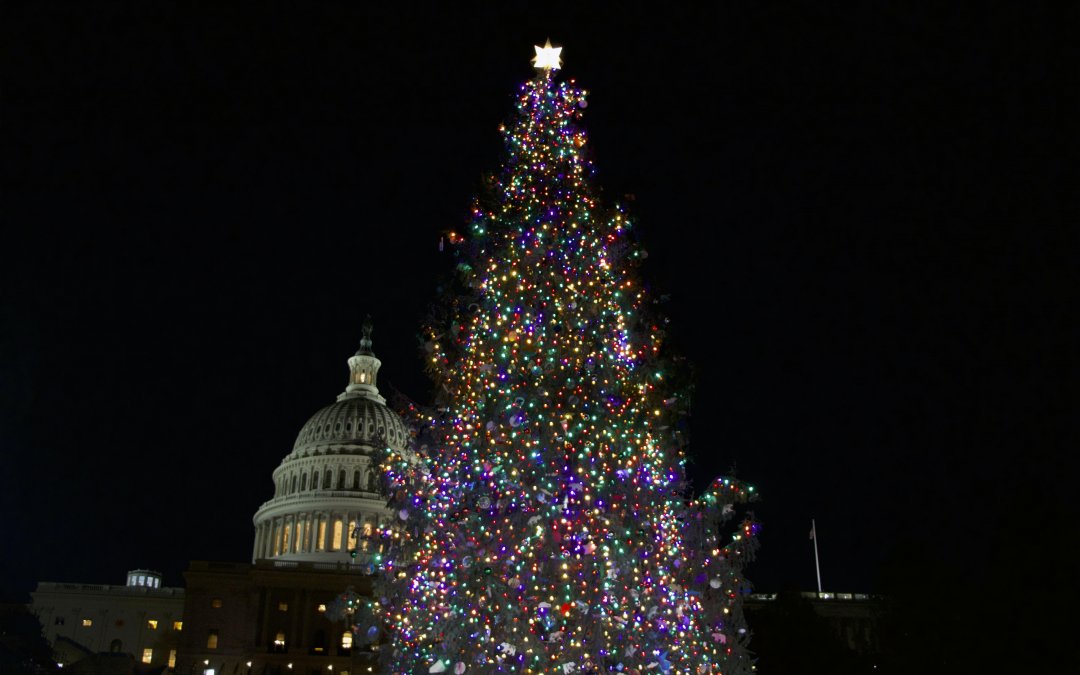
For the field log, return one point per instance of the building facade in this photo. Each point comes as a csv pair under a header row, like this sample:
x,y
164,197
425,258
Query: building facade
x,y
141,618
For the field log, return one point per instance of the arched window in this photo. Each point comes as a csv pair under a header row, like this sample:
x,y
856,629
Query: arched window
x,y
356,479
329,478
293,488
341,480
115,646
314,480
303,482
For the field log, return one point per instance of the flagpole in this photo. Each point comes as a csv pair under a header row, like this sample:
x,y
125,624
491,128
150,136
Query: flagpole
x,y
817,564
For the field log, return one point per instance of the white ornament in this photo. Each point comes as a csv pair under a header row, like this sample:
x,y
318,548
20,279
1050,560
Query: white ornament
x,y
438,667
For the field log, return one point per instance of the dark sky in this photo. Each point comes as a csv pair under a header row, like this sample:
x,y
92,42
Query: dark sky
x,y
857,216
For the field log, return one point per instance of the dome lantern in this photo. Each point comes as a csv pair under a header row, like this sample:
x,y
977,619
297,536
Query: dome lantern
x,y
363,369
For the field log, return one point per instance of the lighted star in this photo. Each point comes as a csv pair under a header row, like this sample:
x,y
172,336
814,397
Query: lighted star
x,y
547,57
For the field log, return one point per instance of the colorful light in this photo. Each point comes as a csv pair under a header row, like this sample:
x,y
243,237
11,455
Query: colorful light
x,y
548,526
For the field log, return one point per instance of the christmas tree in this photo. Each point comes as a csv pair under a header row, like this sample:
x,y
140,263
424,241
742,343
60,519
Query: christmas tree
x,y
546,525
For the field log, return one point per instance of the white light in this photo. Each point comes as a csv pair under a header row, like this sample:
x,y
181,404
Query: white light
x,y
547,57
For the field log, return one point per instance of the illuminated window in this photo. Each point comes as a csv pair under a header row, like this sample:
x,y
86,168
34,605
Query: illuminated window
x,y
283,606
211,639
366,536
335,544
279,639
322,607
346,640
320,538
147,655
285,537
87,623
178,625
215,603
152,625
353,532
172,658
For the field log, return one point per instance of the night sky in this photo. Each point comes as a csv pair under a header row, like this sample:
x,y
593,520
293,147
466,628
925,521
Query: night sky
x,y
855,219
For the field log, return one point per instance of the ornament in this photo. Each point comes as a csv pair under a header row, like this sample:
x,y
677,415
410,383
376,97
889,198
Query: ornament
x,y
459,668
437,667
372,633
565,608
484,502
403,514
715,582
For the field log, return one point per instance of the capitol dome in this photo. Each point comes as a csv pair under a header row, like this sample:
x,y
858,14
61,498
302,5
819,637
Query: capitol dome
x,y
328,495
352,420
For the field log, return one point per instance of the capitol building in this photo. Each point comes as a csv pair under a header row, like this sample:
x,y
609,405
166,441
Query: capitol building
x,y
279,613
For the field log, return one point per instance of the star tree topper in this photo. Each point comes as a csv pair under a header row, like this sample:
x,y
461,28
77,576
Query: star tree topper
x,y
547,57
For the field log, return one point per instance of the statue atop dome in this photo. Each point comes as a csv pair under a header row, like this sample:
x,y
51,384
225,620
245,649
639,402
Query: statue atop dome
x,y
365,338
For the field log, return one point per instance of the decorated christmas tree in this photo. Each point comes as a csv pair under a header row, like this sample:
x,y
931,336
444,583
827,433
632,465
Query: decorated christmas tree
x,y
547,525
